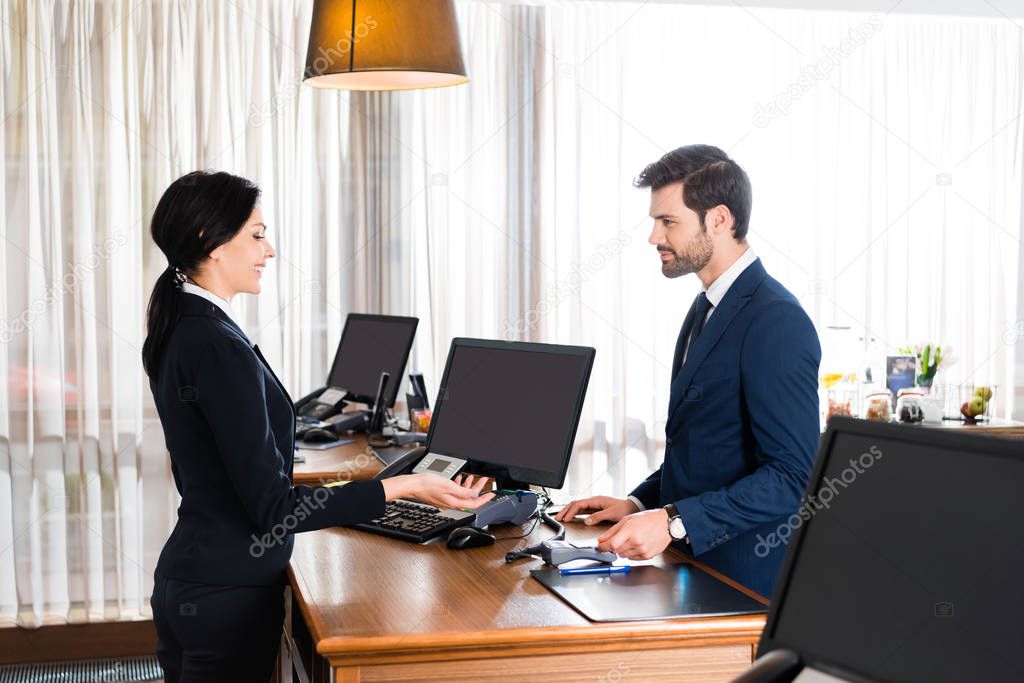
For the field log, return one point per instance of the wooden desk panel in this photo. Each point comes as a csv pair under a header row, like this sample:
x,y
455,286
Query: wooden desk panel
x,y
999,428
381,609
349,461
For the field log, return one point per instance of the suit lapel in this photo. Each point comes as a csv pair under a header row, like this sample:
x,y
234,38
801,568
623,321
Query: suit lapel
x,y
263,360
722,315
288,453
197,305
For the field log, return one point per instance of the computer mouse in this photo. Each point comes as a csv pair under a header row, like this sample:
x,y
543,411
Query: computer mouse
x,y
469,537
319,435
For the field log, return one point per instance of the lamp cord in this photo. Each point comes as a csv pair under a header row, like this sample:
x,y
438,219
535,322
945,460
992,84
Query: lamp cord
x,y
352,41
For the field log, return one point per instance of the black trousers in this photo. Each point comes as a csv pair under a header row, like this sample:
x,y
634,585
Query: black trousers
x,y
211,634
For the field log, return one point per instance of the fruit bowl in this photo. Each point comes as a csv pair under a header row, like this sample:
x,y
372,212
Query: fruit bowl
x,y
978,406
956,400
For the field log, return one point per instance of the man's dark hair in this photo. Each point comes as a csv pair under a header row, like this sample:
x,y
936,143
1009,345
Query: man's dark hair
x,y
709,178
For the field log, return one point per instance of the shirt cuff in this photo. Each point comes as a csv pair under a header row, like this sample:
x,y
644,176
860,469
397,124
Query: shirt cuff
x,y
636,501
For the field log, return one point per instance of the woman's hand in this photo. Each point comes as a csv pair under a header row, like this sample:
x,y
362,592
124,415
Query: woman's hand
x,y
463,492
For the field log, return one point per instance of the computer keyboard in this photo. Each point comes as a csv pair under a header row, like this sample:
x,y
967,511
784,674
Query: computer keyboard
x,y
416,522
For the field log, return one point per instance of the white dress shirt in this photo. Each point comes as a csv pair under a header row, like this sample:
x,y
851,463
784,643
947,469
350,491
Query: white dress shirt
x,y
715,293
223,304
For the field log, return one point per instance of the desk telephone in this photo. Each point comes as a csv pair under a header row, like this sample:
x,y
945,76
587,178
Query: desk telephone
x,y
322,403
322,411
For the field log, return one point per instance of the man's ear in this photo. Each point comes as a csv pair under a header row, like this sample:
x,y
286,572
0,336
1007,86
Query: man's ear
x,y
217,253
719,220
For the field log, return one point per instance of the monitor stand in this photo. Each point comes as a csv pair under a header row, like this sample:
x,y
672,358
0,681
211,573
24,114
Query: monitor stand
x,y
505,483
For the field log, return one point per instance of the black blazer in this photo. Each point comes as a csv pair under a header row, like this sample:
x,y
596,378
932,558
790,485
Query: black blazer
x,y
229,426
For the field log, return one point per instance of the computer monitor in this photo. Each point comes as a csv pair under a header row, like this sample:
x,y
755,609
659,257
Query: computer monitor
x,y
905,560
371,344
511,409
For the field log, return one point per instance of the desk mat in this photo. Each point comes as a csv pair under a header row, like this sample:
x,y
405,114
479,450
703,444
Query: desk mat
x,y
306,446
648,592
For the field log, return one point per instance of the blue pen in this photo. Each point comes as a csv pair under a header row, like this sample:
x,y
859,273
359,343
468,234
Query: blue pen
x,y
617,569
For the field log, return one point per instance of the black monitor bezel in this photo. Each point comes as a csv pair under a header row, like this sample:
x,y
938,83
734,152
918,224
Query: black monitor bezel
x,y
939,437
369,398
503,473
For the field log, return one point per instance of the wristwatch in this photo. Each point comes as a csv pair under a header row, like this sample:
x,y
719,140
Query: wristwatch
x,y
675,523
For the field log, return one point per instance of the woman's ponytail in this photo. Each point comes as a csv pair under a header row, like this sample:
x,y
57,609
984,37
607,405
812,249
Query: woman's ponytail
x,y
161,316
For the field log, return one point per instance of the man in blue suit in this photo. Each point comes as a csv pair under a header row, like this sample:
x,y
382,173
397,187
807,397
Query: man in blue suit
x,y
742,428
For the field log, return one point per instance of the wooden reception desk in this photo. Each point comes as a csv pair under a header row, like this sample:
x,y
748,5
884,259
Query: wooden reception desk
x,y
369,608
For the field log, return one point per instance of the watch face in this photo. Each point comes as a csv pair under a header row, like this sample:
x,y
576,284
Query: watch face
x,y
676,529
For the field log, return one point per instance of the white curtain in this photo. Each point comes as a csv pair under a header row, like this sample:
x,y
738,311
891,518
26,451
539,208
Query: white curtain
x,y
885,153
105,104
887,197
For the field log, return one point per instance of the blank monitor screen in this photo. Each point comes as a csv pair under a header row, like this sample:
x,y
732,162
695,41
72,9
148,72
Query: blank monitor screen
x,y
912,571
511,405
369,345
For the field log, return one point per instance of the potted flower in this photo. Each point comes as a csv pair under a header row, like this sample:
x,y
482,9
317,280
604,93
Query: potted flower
x,y
929,358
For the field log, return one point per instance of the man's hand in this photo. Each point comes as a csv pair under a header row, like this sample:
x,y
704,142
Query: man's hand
x,y
639,536
602,509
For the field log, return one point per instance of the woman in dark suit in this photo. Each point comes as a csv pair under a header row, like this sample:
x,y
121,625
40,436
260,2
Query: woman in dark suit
x,y
229,428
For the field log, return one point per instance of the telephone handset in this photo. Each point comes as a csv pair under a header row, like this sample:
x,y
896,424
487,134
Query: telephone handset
x,y
379,415
418,460
404,465
322,404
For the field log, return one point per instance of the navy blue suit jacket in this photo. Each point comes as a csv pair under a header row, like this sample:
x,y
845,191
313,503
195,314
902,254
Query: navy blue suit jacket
x,y
229,426
742,429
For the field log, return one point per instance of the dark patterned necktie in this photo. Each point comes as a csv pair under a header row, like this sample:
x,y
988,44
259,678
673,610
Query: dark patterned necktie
x,y
703,306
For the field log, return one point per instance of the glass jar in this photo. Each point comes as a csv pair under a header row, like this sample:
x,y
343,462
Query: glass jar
x,y
933,409
878,406
421,420
840,402
910,406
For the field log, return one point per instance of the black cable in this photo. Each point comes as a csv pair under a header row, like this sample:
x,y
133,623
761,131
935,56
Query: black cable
x,y
545,503
549,521
553,523
533,527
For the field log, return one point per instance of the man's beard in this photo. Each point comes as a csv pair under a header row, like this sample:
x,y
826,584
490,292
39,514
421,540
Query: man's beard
x,y
695,256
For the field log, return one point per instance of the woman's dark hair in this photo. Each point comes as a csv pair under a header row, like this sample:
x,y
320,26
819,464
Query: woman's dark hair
x,y
198,212
709,178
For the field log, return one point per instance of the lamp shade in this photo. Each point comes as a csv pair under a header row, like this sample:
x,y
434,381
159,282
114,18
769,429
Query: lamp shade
x,y
384,45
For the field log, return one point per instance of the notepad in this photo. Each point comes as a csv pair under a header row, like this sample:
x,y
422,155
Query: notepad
x,y
648,592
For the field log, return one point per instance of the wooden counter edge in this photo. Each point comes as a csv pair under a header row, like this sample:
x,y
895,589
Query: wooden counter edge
x,y
535,640
697,632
